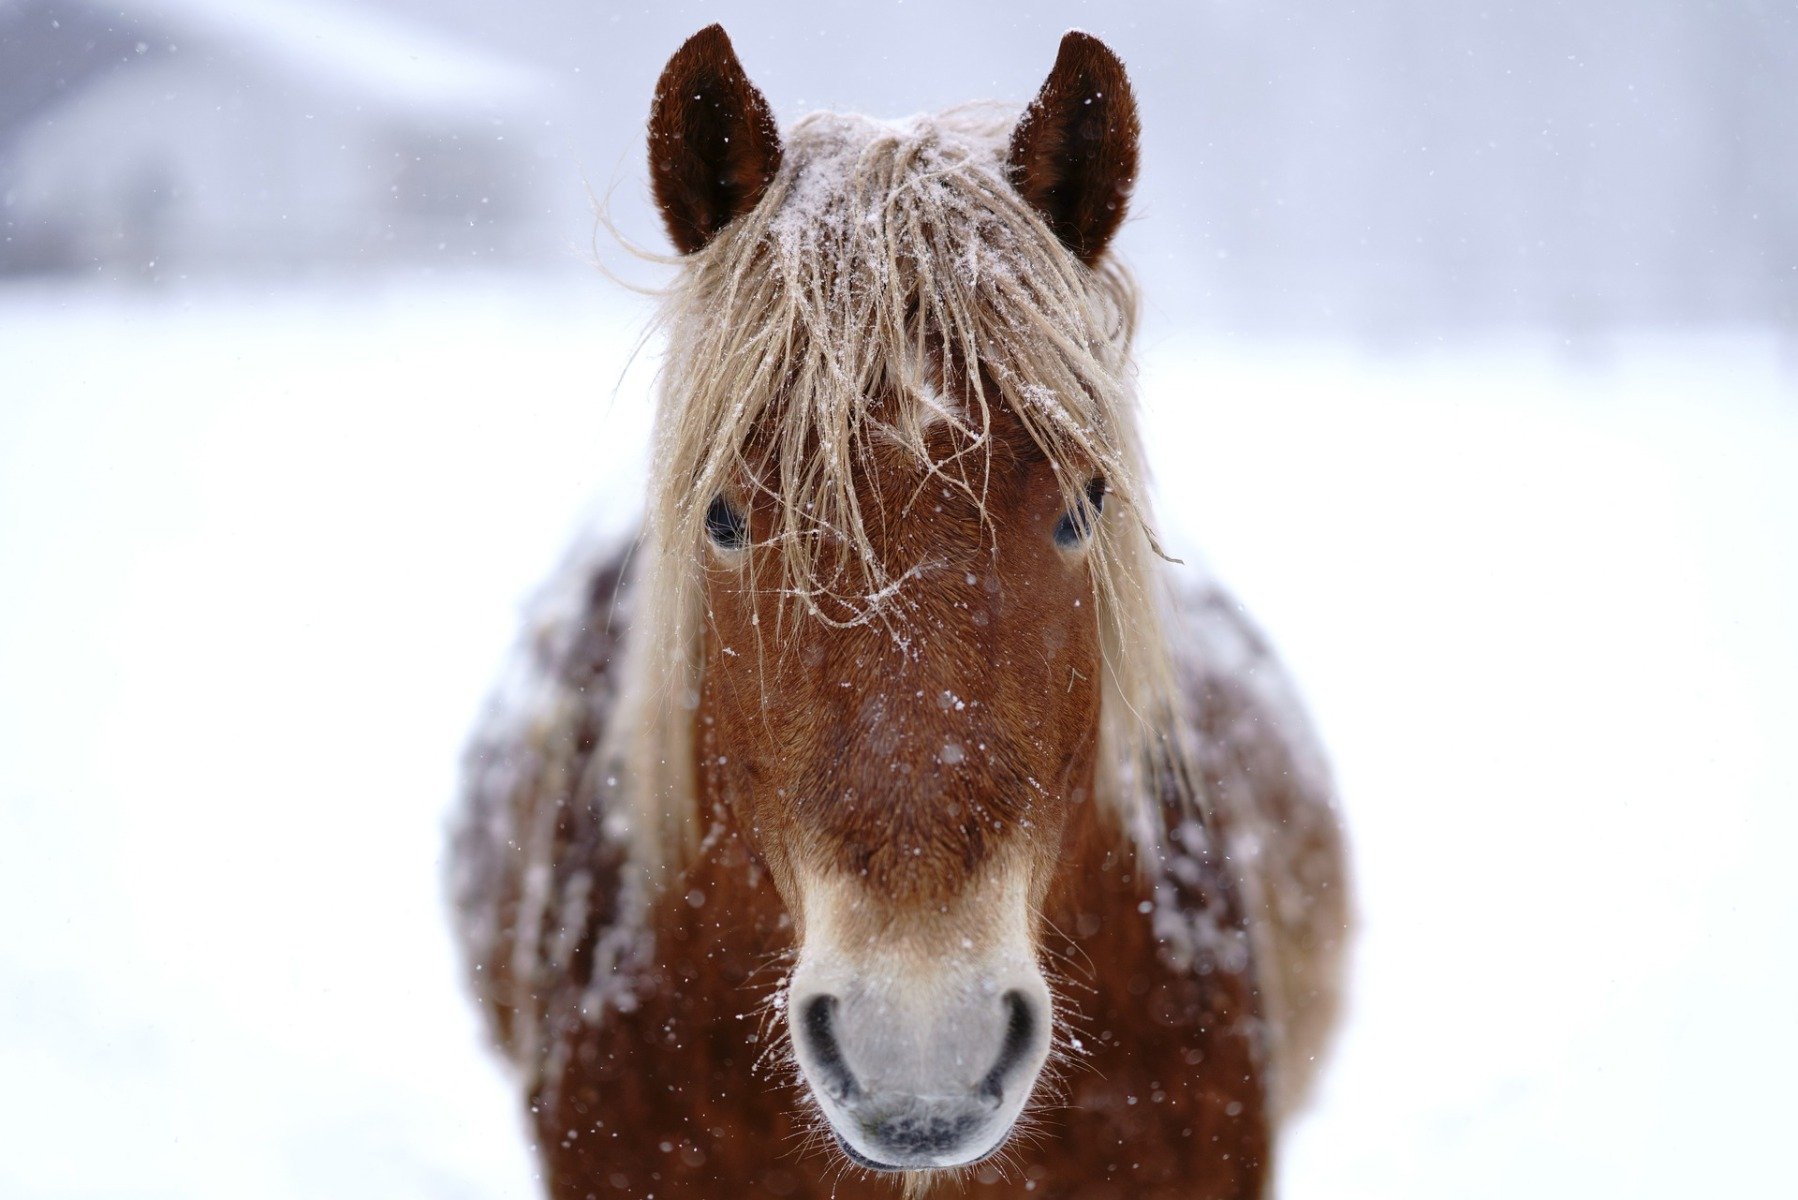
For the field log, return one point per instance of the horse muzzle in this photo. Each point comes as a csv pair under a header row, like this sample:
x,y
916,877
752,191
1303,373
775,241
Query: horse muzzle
x,y
922,1068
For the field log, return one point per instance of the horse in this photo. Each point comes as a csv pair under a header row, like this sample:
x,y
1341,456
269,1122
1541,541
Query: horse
x,y
892,810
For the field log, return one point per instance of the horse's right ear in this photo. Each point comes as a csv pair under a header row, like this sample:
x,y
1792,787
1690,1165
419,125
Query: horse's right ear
x,y
1073,153
713,147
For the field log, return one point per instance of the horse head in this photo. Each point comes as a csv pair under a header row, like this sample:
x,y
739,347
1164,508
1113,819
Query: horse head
x,y
897,501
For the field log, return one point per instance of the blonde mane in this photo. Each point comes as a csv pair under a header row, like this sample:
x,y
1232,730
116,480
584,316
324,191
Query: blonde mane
x,y
884,257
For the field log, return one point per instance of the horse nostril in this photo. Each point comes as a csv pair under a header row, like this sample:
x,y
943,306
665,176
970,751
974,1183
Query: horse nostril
x,y
817,1026
1020,1034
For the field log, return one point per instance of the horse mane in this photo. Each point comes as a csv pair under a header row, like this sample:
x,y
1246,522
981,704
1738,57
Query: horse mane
x,y
883,258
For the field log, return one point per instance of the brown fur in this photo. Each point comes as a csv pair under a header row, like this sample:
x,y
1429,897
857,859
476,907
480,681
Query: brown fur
x,y
786,707
712,143
1073,155
989,646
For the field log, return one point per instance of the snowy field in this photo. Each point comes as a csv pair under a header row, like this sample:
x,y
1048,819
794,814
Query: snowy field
x,y
261,554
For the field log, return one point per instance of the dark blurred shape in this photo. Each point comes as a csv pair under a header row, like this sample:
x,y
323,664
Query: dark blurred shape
x,y
168,137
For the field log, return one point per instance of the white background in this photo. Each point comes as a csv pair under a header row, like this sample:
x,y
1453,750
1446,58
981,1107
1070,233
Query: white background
x,y
262,555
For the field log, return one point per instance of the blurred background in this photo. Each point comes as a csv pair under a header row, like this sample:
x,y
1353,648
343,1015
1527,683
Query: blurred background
x,y
1470,359
1374,169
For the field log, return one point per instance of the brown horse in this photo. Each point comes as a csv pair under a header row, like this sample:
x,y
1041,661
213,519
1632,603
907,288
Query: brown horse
x,y
892,794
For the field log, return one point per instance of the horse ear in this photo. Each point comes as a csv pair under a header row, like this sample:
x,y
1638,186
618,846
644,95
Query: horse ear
x,y
1073,154
713,147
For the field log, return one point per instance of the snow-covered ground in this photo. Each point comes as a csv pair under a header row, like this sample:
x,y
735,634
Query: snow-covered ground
x,y
260,556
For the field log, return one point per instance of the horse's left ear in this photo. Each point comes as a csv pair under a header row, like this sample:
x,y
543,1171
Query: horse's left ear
x,y
713,147
1073,154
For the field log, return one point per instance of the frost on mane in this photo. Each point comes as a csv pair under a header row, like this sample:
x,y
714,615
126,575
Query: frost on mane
x,y
826,150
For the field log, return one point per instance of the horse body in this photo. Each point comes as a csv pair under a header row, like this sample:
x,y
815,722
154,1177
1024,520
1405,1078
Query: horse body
x,y
882,777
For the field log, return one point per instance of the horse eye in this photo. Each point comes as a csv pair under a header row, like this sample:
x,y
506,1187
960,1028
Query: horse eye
x,y
725,525
1076,525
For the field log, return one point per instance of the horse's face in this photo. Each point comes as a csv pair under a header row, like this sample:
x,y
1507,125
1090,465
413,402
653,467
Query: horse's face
x,y
904,752
905,767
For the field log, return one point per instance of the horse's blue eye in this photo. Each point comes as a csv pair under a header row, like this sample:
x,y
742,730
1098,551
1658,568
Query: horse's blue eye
x,y
726,526
1076,525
